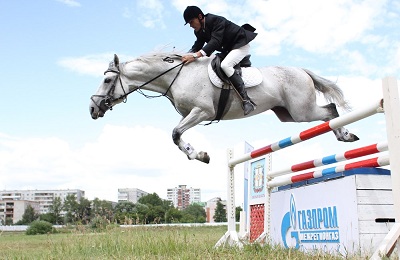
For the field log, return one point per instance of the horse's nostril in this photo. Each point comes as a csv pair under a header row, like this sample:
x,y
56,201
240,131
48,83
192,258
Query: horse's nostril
x,y
91,110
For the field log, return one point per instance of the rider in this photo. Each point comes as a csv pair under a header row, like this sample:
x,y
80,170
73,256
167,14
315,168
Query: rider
x,y
222,35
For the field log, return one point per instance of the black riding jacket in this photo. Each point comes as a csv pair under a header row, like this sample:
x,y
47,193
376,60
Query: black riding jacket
x,y
221,35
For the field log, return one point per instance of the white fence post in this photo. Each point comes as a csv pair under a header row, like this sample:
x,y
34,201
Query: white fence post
x,y
231,237
392,116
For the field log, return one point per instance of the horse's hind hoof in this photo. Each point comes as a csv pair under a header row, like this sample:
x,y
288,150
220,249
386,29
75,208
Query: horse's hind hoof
x,y
203,157
352,138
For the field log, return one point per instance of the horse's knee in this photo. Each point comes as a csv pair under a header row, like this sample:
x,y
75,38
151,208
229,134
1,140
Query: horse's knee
x,y
176,136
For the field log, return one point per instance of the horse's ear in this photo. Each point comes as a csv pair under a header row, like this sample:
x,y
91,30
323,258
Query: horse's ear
x,y
116,60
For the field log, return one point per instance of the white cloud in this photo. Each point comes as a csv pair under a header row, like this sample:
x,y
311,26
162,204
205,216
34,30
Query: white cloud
x,y
393,64
93,65
142,156
357,64
71,3
151,13
316,26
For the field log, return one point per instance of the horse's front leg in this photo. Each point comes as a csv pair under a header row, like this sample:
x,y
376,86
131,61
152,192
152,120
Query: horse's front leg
x,y
195,117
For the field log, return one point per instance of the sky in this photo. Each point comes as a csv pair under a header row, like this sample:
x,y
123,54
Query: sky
x,y
54,53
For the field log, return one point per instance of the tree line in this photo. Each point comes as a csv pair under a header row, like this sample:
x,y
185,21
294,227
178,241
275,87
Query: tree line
x,y
149,209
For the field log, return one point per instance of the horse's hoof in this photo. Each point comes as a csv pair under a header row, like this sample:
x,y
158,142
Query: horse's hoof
x,y
203,157
352,138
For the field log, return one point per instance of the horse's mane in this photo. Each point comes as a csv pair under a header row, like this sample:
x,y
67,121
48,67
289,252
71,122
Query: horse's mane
x,y
160,55
153,58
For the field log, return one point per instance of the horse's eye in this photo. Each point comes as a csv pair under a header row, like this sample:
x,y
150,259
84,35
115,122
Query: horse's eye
x,y
107,80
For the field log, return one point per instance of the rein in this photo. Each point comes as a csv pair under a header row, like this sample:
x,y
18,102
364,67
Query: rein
x,y
167,59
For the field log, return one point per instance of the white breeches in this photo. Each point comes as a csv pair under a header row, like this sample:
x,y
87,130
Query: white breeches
x,y
233,58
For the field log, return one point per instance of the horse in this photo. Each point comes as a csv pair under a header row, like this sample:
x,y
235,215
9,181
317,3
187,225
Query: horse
x,y
288,91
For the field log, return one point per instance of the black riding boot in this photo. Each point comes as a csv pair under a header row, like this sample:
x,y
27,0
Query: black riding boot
x,y
238,83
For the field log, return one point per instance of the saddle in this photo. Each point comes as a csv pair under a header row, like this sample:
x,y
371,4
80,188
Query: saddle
x,y
251,77
216,66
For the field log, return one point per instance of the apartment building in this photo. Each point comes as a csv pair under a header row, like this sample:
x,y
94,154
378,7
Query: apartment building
x,y
211,205
11,211
130,194
43,197
182,196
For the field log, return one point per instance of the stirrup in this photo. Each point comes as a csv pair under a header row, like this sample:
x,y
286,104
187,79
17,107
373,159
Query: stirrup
x,y
248,106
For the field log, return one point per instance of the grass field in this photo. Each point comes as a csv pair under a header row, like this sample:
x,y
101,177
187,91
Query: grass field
x,y
139,243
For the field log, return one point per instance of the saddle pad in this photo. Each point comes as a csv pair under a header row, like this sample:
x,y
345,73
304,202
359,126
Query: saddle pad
x,y
251,77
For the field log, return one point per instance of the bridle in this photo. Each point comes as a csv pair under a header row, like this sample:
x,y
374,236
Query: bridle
x,y
108,99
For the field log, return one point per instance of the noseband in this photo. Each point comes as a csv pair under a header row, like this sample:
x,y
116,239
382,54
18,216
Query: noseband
x,y
108,99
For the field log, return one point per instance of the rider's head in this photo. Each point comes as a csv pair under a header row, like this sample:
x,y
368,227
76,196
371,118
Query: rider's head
x,y
192,12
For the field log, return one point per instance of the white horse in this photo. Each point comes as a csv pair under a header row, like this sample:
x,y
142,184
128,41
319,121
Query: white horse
x,y
290,92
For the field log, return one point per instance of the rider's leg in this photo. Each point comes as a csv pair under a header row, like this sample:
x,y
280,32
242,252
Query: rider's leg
x,y
233,58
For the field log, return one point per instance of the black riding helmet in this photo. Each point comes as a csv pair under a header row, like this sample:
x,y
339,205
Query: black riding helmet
x,y
191,12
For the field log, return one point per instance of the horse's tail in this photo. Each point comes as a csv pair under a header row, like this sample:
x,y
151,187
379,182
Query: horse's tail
x,y
331,91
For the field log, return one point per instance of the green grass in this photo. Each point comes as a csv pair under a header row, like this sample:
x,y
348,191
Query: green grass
x,y
139,243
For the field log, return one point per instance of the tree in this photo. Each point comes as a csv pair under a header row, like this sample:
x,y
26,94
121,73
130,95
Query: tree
x,y
102,208
48,217
28,217
220,212
55,209
40,227
197,212
83,210
124,211
157,208
151,199
9,221
238,209
173,215
141,212
70,207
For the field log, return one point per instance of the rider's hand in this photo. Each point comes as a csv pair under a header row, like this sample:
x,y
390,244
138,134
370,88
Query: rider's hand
x,y
188,59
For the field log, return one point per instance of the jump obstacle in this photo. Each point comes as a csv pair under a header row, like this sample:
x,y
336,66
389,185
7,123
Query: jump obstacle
x,y
389,104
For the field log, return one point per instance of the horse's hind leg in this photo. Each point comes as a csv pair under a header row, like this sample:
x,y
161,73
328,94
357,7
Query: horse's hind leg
x,y
313,112
341,133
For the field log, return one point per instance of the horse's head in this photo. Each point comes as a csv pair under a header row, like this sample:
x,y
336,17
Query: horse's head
x,y
148,73
110,92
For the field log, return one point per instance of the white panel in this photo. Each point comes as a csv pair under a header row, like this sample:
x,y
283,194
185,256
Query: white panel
x,y
298,218
375,197
371,181
372,212
372,227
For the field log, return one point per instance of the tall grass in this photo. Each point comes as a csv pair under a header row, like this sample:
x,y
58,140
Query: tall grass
x,y
140,243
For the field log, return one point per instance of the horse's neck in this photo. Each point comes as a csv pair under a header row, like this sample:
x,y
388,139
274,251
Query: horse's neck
x,y
158,79
148,80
